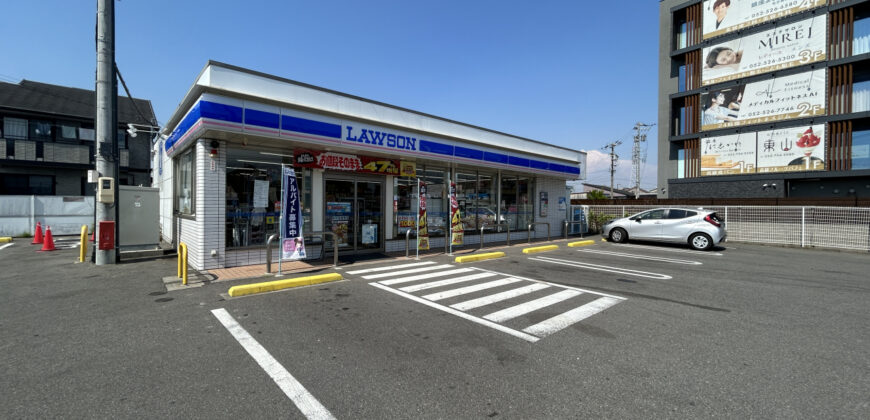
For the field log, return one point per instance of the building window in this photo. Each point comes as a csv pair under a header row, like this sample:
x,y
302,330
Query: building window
x,y
185,184
861,150
861,96
122,139
861,38
515,208
88,134
10,148
40,130
15,128
26,184
437,204
405,204
681,163
68,132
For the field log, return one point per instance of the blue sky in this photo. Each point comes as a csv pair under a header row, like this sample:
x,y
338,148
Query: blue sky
x,y
574,73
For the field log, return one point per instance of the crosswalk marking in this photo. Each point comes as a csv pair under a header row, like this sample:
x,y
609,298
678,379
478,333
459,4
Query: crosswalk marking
x,y
524,308
498,297
470,289
421,277
571,317
439,283
393,267
426,276
403,272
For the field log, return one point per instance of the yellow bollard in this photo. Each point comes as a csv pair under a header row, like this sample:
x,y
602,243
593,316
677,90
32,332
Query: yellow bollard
x,y
182,262
83,249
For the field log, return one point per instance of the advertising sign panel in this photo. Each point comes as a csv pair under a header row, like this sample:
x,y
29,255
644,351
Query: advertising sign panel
x,y
792,149
728,155
791,45
457,231
783,98
724,16
343,162
292,241
423,230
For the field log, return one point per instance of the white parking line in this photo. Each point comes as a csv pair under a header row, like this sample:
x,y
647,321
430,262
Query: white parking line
x,y
641,257
426,276
7,245
563,320
531,306
310,407
411,271
393,267
502,328
439,283
685,251
607,268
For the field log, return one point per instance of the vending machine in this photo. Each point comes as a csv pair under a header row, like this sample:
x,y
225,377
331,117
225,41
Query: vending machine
x,y
577,213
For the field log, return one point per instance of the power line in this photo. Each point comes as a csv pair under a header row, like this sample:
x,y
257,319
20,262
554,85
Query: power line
x,y
614,160
638,159
123,83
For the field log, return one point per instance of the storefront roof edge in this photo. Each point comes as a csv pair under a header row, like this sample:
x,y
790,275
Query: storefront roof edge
x,y
228,78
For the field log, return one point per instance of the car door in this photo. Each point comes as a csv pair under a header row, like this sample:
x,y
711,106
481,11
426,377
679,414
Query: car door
x,y
678,224
647,225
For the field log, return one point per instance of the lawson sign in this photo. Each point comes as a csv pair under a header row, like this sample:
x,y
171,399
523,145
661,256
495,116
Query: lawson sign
x,y
242,116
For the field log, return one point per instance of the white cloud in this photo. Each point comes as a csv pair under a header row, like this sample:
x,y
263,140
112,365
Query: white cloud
x,y
598,171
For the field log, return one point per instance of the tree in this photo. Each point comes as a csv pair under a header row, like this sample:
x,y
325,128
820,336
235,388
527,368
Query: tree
x,y
596,195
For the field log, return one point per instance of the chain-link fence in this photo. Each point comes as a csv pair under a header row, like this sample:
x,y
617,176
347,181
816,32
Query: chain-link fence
x,y
824,227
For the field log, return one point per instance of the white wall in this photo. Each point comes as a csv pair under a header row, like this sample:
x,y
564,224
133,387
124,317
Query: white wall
x,y
206,230
64,214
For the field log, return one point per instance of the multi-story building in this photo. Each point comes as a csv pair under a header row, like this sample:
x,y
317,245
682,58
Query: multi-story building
x,y
764,98
47,139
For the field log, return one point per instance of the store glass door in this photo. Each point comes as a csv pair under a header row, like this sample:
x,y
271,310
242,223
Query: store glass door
x,y
354,212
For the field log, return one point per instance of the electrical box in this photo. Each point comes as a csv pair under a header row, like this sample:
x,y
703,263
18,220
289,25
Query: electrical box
x,y
106,241
105,190
93,175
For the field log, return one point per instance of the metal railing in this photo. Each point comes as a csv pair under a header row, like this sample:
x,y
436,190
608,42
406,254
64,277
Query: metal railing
x,y
529,238
322,252
571,223
482,227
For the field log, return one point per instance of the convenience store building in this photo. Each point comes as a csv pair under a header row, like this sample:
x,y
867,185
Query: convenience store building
x,y
357,162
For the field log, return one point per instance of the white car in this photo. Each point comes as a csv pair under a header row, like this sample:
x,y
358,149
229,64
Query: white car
x,y
701,229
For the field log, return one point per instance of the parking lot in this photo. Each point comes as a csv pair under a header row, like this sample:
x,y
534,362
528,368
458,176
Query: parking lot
x,y
613,330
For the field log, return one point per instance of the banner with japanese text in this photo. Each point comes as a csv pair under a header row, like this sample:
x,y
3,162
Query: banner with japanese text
x,y
723,16
728,155
292,241
785,46
353,163
423,226
457,231
792,149
799,95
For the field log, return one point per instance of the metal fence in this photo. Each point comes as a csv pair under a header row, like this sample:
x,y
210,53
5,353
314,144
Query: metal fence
x,y
804,226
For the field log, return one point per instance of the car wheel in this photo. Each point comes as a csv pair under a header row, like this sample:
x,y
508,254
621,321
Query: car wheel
x,y
701,241
618,235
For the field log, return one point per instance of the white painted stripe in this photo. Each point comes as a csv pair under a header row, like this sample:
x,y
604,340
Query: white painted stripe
x,y
502,328
403,272
607,268
498,297
430,285
571,317
641,257
392,267
531,306
470,289
685,251
426,276
7,245
554,284
307,404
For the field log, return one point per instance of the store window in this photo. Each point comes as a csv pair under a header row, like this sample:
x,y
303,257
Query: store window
x,y
516,209
404,205
861,149
437,204
253,196
185,185
466,195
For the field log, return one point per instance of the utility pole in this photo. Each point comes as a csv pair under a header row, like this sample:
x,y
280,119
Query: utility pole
x,y
106,114
636,159
614,159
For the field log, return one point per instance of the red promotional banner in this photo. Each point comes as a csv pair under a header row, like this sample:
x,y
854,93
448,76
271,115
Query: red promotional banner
x,y
423,232
457,231
344,162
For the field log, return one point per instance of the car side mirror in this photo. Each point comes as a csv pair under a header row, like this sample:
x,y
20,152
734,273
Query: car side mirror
x,y
638,219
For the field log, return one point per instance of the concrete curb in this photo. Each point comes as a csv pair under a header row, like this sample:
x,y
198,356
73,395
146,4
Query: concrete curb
x,y
581,243
479,257
5,239
544,248
269,286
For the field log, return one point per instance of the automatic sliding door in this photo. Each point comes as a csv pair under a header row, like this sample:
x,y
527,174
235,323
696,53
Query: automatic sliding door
x,y
354,212
340,210
370,215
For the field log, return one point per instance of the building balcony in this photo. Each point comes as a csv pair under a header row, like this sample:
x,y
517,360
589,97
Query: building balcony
x,y
52,152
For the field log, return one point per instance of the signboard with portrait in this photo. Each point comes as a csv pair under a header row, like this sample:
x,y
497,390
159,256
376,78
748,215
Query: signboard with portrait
x,y
728,155
792,149
785,46
724,16
800,95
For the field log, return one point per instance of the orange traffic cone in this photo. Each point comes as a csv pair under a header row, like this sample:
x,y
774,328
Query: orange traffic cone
x,y
48,244
37,236
92,236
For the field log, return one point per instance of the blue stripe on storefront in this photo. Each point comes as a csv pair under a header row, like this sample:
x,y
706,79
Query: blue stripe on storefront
x,y
229,113
261,118
302,125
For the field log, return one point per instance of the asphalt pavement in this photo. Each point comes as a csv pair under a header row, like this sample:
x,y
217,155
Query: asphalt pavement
x,y
606,330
